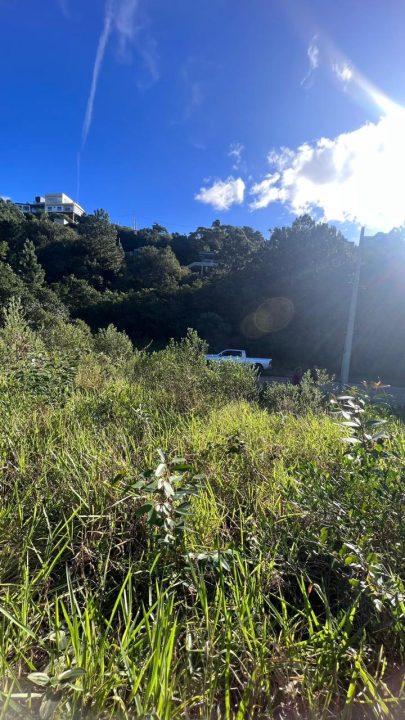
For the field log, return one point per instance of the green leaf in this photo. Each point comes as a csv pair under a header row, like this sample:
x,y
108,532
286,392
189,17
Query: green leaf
x,y
183,508
168,488
379,436
48,706
378,604
148,473
119,476
138,485
323,535
351,692
60,639
152,487
39,678
143,509
350,559
16,622
71,674
181,466
155,519
178,494
168,539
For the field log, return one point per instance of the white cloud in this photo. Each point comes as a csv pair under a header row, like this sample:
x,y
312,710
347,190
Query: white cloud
x,y
358,176
223,193
313,55
124,20
280,158
343,72
313,59
235,152
266,191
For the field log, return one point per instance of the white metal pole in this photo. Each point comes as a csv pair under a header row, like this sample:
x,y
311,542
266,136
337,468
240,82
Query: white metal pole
x,y
347,352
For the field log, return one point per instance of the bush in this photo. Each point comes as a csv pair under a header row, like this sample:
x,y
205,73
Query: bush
x,y
72,340
183,381
308,396
27,366
113,343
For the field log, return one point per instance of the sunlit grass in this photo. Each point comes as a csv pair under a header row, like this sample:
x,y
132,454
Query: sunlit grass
x,y
282,599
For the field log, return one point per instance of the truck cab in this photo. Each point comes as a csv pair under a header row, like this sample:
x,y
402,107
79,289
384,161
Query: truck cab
x,y
240,356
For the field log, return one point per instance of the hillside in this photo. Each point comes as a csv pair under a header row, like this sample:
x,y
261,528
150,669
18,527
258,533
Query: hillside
x,y
286,296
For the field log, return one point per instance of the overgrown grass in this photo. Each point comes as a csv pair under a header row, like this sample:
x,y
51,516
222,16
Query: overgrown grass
x,y
258,576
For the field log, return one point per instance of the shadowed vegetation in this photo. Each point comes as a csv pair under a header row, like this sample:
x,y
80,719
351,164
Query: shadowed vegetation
x,y
285,297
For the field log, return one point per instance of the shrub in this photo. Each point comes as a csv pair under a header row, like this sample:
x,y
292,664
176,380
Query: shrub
x,y
297,399
113,343
183,381
71,340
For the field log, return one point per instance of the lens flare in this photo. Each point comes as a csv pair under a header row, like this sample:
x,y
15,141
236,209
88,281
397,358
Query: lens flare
x,y
274,314
271,316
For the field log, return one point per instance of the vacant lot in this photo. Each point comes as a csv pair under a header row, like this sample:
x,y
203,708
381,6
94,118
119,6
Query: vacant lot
x,y
179,542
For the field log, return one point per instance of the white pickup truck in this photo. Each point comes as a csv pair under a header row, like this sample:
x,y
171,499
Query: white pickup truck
x,y
240,356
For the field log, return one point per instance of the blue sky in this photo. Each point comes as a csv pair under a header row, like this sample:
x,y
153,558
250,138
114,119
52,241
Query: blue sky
x,y
183,111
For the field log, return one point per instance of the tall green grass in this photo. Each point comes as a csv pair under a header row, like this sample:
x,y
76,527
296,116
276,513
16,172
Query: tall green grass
x,y
258,576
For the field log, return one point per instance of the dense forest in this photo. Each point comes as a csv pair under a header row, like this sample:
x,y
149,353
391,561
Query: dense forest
x,y
286,296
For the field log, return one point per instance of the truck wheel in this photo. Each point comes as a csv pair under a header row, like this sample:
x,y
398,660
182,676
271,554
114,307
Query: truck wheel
x,y
259,368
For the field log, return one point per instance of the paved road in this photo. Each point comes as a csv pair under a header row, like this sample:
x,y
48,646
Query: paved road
x,y
392,394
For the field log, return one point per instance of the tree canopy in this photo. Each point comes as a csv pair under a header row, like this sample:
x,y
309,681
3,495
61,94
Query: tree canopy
x,y
286,296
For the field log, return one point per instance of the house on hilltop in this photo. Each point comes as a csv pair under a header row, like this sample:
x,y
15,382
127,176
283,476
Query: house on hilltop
x,y
60,208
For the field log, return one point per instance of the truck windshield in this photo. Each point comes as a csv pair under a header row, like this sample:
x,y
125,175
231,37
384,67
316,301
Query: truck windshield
x,y
231,353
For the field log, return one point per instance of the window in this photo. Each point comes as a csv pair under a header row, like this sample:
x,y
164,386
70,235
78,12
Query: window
x,y
231,353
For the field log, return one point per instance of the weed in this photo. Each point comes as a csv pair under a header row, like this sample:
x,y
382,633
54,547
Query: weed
x,y
255,571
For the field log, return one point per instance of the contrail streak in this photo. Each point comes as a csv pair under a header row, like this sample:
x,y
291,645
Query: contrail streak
x,y
120,16
102,44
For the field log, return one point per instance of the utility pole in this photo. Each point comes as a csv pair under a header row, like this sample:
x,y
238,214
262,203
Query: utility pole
x,y
347,352
134,223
